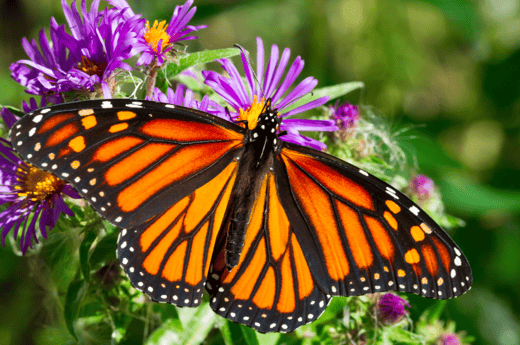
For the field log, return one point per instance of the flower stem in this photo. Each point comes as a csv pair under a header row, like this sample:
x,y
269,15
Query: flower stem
x,y
151,79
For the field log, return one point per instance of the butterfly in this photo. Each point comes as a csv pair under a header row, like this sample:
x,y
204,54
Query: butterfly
x,y
272,230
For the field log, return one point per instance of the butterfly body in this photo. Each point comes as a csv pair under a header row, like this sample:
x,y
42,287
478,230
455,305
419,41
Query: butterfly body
x,y
261,145
270,229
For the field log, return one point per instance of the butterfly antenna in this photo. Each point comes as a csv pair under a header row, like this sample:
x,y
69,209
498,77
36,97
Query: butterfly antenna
x,y
251,67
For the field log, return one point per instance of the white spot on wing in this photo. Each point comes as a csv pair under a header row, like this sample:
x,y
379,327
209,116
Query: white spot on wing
x,y
457,261
363,172
131,105
414,210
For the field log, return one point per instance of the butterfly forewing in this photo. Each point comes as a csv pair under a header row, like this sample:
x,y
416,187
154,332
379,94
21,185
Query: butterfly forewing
x,y
130,160
371,237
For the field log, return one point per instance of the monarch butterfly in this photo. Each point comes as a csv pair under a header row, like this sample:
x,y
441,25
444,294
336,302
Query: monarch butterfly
x,y
271,229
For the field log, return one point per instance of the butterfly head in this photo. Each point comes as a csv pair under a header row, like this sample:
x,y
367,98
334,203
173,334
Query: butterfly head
x,y
267,125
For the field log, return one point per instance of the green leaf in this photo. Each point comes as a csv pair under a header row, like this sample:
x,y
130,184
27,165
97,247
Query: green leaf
x,y
332,91
75,295
198,58
84,253
198,325
235,334
105,250
273,338
434,312
14,110
472,198
59,253
399,335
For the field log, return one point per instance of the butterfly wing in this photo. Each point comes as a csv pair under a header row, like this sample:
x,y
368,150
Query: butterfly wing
x,y
371,238
321,227
272,289
162,173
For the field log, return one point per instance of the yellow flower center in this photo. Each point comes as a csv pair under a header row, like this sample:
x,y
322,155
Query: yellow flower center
x,y
35,184
156,33
252,113
91,68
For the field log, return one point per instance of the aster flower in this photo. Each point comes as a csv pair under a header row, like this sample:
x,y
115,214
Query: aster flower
x,y
391,308
179,97
422,186
249,100
346,115
99,43
46,70
32,194
159,39
449,339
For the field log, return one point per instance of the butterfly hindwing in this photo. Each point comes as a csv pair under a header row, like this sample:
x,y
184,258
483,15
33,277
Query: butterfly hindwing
x,y
168,257
272,289
371,238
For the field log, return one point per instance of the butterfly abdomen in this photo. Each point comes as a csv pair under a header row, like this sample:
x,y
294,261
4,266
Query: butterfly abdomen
x,y
252,171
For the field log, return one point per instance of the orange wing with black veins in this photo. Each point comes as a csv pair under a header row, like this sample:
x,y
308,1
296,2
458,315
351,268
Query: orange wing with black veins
x,y
162,173
371,238
272,289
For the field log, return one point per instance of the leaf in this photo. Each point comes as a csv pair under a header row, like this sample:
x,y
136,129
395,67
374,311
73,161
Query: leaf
x,y
235,334
14,110
84,253
73,300
399,335
332,91
105,250
472,198
434,312
274,338
198,58
198,326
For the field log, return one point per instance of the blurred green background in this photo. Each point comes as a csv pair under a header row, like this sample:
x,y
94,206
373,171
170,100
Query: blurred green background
x,y
451,68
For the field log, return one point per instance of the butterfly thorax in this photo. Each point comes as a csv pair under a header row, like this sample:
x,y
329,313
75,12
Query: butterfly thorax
x,y
260,147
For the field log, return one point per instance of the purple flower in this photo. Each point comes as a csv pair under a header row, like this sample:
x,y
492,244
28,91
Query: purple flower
x,y
156,41
85,60
178,97
449,339
391,308
46,71
422,186
346,115
30,193
249,100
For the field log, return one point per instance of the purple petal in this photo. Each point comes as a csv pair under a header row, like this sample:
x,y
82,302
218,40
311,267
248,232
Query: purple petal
x,y
8,117
309,125
313,104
